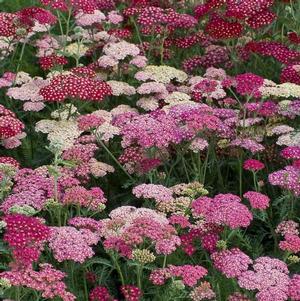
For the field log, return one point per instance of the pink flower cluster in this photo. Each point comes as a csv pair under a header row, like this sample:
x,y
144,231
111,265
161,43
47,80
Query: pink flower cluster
x,y
269,277
189,274
257,200
232,263
130,227
46,280
223,209
68,243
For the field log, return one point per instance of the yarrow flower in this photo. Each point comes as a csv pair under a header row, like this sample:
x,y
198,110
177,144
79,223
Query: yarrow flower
x,y
68,243
232,263
257,200
100,293
202,292
151,191
131,292
287,178
294,288
26,236
223,209
79,84
188,273
253,165
269,277
46,280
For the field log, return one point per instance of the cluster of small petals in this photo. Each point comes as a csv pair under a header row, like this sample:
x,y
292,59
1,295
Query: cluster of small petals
x,y
161,74
68,243
30,14
25,235
7,25
219,28
10,126
291,243
232,263
248,144
9,161
181,220
202,292
287,178
85,223
150,130
292,152
290,74
131,292
159,193
78,195
249,84
119,88
100,293
89,19
120,50
75,86
275,49
48,62
287,227
269,276
223,209
188,273
212,58
47,280
89,122
294,288
7,79
257,200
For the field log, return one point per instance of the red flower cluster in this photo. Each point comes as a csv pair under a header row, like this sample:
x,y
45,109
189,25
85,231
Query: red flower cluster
x,y
131,292
80,85
87,6
9,160
25,235
220,28
10,126
7,25
100,293
48,62
254,13
28,15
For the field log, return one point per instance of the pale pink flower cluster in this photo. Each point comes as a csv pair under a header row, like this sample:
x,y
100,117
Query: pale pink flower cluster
x,y
29,92
114,17
119,88
117,51
198,144
159,193
88,19
202,292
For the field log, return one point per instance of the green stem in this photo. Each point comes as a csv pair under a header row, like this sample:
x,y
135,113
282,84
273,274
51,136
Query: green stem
x,y
114,158
165,261
21,57
139,270
118,268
